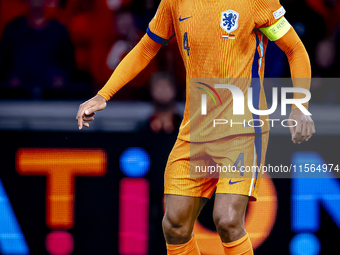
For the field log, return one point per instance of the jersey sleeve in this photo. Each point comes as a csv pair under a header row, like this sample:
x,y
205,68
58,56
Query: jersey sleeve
x,y
161,28
267,12
269,18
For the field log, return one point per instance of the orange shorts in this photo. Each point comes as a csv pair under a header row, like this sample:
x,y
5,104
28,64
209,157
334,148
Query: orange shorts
x,y
227,165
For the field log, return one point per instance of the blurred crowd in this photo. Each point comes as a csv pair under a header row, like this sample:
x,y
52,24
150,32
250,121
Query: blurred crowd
x,y
67,49
55,49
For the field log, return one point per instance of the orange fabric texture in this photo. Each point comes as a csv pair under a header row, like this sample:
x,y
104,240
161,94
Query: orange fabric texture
x,y
189,248
298,60
138,58
214,51
181,177
239,247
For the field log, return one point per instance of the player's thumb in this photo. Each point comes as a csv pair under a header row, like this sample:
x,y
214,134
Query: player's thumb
x,y
98,106
91,110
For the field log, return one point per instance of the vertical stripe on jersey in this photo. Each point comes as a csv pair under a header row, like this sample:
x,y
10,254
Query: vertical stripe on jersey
x,y
256,162
253,174
261,55
258,148
256,85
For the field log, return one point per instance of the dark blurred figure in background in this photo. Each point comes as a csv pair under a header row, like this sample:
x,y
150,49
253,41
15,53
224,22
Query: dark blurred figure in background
x,y
127,35
144,11
325,61
36,56
89,23
163,93
37,59
308,24
9,10
162,126
329,10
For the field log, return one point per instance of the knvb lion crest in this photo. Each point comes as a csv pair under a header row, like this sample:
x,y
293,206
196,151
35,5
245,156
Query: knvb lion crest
x,y
229,20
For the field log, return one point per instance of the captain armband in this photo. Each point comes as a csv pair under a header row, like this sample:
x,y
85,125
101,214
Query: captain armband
x,y
277,30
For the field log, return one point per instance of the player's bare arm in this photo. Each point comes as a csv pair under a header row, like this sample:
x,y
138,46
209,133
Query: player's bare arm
x,y
300,69
139,57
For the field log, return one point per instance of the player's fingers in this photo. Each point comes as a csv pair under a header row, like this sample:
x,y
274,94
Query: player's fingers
x,y
298,131
311,129
298,138
299,127
304,133
291,127
90,115
88,118
80,123
79,117
86,124
94,108
309,134
87,110
78,112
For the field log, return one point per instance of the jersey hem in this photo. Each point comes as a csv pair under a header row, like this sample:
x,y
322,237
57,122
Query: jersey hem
x,y
186,138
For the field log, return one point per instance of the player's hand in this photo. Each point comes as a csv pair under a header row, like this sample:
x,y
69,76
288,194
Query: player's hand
x,y
304,129
88,109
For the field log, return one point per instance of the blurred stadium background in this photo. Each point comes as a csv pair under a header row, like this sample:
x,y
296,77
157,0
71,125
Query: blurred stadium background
x,y
100,190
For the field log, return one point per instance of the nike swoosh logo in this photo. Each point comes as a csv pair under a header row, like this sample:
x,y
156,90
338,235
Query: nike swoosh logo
x,y
180,19
231,183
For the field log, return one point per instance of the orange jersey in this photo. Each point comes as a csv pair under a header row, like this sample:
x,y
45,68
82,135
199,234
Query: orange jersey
x,y
218,39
